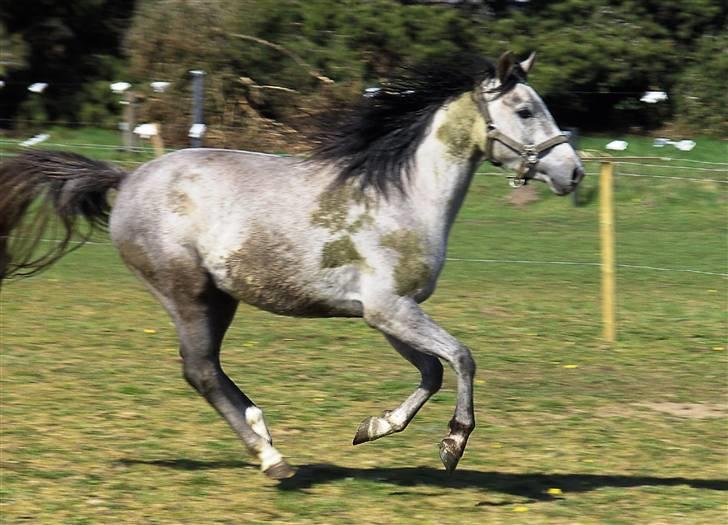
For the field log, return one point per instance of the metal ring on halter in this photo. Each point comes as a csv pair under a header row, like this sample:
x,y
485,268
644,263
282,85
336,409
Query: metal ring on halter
x,y
514,181
519,179
530,154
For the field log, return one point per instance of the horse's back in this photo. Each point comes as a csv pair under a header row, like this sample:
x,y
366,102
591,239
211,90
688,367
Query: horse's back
x,y
196,186
211,172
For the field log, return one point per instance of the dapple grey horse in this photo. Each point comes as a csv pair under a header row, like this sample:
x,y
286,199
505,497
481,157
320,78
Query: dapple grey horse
x,y
359,229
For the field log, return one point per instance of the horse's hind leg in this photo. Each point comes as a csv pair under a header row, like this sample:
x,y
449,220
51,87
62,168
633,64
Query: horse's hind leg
x,y
200,338
202,313
397,420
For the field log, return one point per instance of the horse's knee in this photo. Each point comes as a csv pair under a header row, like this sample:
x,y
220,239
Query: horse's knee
x,y
463,361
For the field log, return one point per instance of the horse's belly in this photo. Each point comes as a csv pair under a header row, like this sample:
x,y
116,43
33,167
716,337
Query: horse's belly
x,y
284,295
272,274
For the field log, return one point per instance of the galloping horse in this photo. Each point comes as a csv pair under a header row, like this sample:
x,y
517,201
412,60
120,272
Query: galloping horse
x,y
359,229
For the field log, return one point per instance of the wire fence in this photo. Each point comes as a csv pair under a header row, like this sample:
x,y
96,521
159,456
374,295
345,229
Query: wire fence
x,y
484,261
714,172
716,167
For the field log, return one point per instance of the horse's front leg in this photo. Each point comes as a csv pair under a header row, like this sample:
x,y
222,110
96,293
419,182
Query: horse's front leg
x,y
401,318
397,420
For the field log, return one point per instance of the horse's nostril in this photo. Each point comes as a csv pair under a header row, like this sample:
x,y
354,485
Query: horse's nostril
x,y
576,176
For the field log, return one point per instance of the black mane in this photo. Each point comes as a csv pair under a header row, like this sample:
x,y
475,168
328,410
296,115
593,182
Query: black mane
x,y
375,139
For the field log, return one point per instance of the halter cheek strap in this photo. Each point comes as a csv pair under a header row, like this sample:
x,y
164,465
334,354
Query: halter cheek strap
x,y
529,153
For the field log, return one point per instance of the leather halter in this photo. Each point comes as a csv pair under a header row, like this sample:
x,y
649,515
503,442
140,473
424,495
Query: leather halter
x,y
529,153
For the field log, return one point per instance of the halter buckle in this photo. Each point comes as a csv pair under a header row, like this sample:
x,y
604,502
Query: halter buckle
x,y
530,154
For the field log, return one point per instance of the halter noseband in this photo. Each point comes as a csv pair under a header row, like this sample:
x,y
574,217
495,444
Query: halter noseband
x,y
529,153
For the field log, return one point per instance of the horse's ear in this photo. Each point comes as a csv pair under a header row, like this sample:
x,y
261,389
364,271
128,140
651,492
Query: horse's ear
x,y
505,63
527,64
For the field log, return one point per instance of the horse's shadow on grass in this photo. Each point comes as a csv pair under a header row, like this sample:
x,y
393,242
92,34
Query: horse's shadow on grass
x,y
532,485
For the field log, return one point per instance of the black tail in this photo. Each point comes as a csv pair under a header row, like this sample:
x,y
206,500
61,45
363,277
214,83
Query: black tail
x,y
36,186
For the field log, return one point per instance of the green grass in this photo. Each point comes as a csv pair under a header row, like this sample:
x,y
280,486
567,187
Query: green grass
x,y
97,425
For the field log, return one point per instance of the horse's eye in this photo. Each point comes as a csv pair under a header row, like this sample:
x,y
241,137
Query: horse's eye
x,y
524,113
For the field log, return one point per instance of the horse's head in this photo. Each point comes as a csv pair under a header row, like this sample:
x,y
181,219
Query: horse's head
x,y
521,133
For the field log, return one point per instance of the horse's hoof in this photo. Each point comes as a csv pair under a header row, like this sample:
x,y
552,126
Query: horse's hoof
x,y
362,433
373,428
450,454
280,470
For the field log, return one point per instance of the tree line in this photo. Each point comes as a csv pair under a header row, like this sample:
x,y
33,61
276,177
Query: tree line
x,y
273,65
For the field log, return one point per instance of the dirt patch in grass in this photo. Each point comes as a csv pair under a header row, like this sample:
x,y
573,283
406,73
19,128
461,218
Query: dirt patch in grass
x,y
687,410
619,410
523,196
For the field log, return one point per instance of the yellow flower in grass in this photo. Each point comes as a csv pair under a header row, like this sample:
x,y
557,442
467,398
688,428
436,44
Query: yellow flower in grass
x,y
571,366
150,331
554,491
520,508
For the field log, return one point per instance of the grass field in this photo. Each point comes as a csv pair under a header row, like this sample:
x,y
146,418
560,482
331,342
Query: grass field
x,y
97,425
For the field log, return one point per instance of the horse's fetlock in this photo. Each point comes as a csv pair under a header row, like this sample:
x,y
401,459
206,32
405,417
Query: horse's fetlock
x,y
462,429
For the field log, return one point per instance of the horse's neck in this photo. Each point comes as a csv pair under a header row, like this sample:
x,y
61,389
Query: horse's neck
x,y
445,163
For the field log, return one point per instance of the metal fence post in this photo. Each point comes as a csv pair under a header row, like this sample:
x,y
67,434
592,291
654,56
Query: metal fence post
x,y
196,132
130,100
